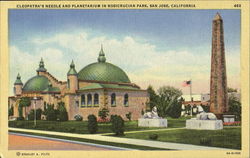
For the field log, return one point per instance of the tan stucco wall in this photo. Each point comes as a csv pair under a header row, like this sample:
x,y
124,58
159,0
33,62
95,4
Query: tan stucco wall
x,y
84,84
18,89
137,103
73,83
13,102
55,83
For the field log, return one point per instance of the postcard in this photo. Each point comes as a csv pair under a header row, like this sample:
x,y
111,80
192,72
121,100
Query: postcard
x,y
124,79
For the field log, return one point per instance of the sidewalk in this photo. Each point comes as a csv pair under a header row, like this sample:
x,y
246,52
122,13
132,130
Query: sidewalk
x,y
156,144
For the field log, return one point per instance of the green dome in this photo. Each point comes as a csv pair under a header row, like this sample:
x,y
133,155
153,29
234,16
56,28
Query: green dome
x,y
103,71
37,83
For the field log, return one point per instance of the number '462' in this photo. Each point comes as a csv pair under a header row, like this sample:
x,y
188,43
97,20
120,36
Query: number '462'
x,y
237,5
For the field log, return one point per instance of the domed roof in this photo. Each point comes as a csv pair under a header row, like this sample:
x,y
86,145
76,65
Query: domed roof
x,y
36,83
103,71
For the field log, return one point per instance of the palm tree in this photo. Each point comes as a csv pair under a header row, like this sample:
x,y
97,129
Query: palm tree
x,y
24,102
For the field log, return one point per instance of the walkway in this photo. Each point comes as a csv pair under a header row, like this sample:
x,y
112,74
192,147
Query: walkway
x,y
156,144
19,141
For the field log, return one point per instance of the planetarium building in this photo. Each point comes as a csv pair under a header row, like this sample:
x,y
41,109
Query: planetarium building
x,y
98,85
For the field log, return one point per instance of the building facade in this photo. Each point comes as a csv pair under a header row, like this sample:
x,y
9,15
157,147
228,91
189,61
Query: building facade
x,y
96,86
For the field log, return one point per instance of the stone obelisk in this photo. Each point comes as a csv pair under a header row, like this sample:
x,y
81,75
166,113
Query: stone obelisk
x,y
218,78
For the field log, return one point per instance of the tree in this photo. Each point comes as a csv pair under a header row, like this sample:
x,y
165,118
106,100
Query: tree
x,y
153,97
20,112
174,110
235,107
62,112
205,108
188,109
168,101
44,106
92,124
50,113
24,102
11,111
169,92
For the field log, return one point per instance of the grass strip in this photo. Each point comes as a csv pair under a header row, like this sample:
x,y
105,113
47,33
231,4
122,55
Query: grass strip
x,y
131,146
225,138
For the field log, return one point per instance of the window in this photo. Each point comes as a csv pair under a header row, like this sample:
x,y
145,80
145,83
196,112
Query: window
x,y
126,99
113,99
68,83
83,100
96,99
14,90
77,103
89,99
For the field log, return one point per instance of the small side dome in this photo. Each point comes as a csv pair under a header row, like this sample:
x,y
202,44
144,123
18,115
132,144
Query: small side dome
x,y
18,80
36,83
72,70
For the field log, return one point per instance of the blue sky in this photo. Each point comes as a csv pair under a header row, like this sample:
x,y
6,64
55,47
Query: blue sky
x,y
161,46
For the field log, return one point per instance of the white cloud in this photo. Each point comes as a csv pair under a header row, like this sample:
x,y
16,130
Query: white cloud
x,y
141,60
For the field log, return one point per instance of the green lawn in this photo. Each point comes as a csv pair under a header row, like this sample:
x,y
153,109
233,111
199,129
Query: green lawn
x,y
226,138
229,137
81,126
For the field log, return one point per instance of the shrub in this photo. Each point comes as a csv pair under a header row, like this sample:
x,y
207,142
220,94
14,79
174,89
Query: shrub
x,y
235,107
236,123
50,113
19,124
78,117
92,124
129,115
20,118
153,136
205,141
117,125
63,114
51,116
56,114
72,129
103,113
31,114
142,112
38,114
51,128
112,118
